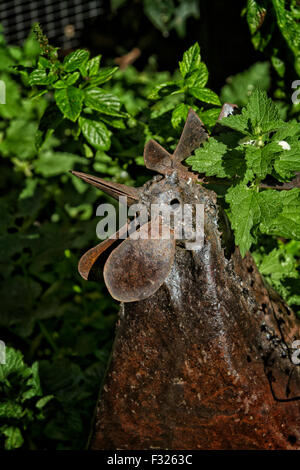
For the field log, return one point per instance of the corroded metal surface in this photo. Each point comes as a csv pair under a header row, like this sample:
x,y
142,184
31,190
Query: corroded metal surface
x,y
112,189
158,159
137,268
204,362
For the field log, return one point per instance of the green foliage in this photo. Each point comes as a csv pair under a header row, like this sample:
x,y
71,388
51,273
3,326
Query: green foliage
x,y
266,18
261,144
72,113
190,91
21,404
74,85
281,267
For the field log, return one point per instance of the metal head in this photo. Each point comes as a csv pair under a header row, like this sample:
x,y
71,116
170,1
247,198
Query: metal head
x,y
135,269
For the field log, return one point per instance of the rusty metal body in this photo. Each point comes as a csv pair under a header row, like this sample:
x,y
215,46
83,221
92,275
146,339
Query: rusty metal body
x,y
204,362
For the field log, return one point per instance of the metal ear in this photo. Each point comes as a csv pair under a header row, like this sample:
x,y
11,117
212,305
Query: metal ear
x,y
157,158
103,250
89,258
112,189
138,267
193,135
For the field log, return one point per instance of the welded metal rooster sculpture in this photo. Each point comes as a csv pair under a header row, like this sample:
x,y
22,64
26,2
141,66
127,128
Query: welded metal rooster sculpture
x,y
203,352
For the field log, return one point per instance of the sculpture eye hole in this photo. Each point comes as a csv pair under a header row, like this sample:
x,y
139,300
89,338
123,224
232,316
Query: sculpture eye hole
x,y
175,203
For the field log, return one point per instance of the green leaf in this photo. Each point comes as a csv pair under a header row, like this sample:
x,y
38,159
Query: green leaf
x,y
288,161
163,89
10,409
75,60
95,132
209,117
197,78
14,438
244,214
104,102
30,186
259,159
288,129
93,65
260,116
42,402
255,15
102,76
191,60
280,213
278,264
179,114
208,159
14,365
33,384
50,120
71,79
205,94
56,163
40,77
69,100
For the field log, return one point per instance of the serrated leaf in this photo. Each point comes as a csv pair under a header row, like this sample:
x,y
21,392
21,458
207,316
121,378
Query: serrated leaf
x,y
191,60
278,264
197,78
260,116
208,159
104,102
69,100
163,89
179,114
283,216
41,77
93,65
288,161
259,159
14,365
288,129
71,79
75,60
95,132
103,75
116,122
244,214
205,94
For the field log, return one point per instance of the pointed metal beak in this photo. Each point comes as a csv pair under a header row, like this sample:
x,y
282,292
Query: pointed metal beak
x,y
112,189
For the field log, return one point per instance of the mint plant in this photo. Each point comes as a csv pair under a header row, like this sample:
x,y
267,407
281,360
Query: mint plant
x,y
190,90
78,96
